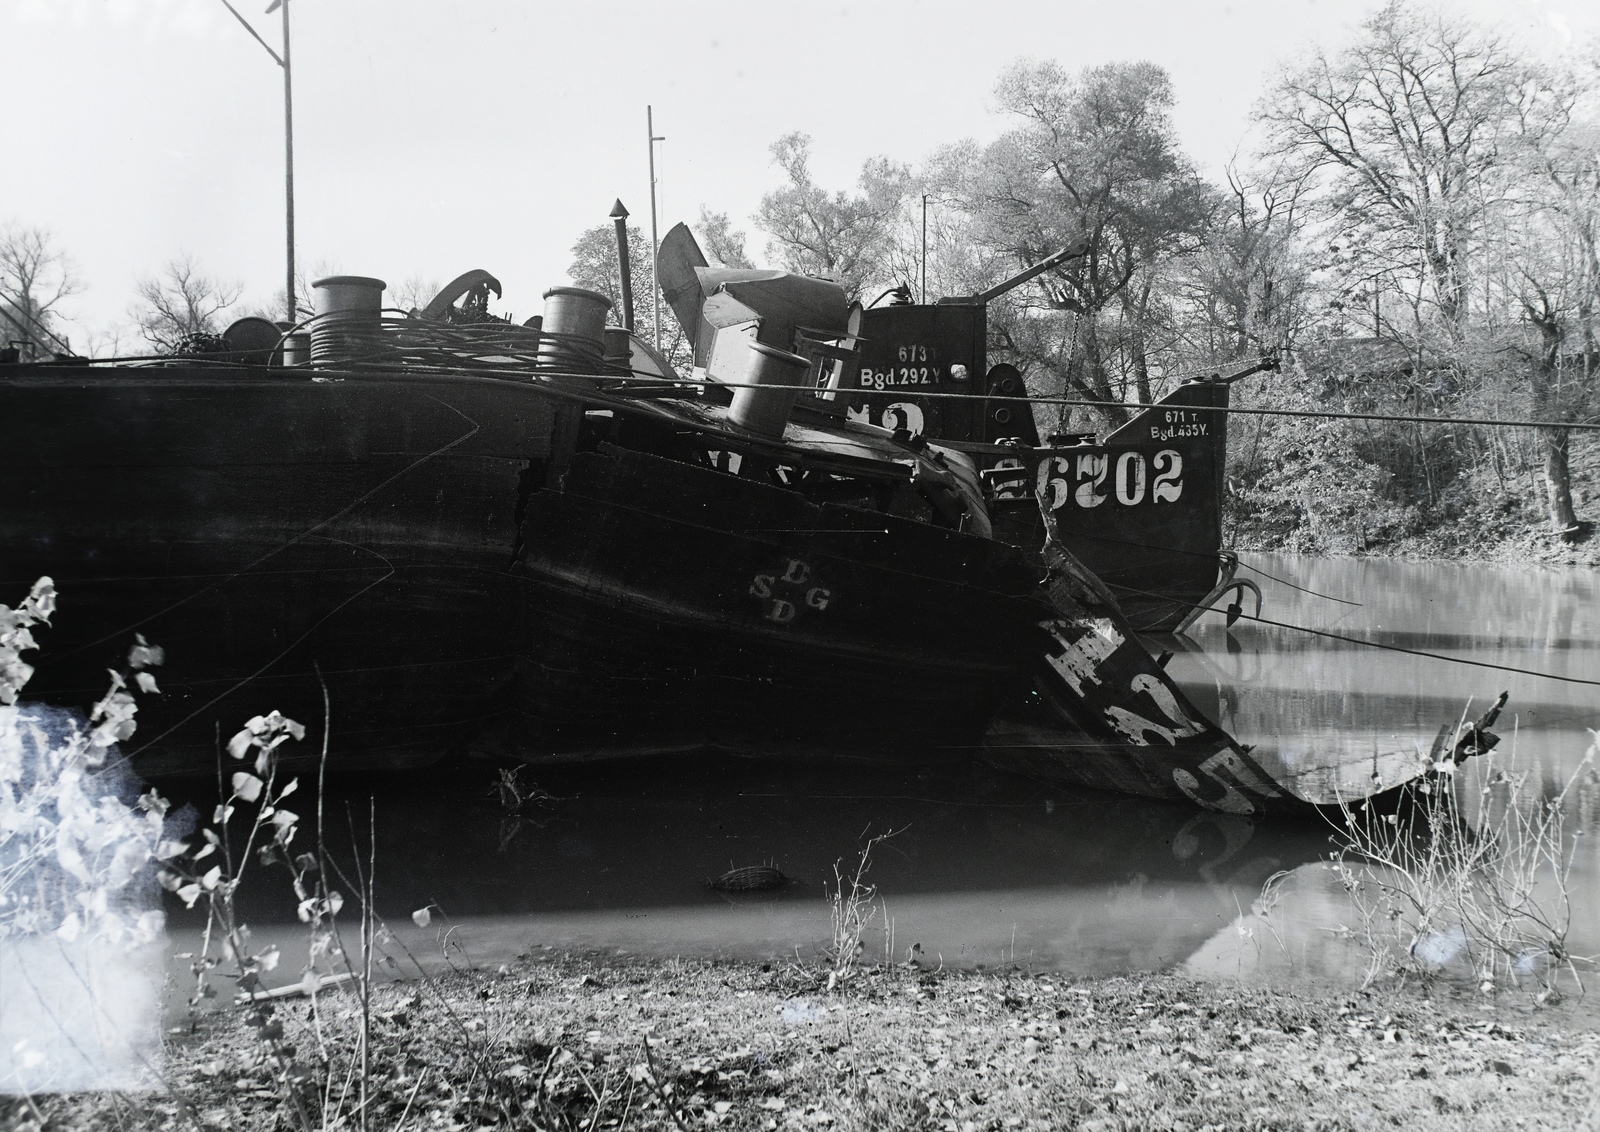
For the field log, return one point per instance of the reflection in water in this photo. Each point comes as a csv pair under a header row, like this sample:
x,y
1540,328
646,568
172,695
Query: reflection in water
x,y
1305,696
984,866
989,868
1306,701
1308,931
985,869
1308,692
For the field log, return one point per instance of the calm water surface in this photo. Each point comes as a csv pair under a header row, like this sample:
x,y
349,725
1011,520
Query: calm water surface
x,y
985,868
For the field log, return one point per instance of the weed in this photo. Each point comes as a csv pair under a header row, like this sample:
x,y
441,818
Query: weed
x,y
268,833
656,1086
72,850
519,801
855,906
516,796
1431,890
70,847
76,843
16,637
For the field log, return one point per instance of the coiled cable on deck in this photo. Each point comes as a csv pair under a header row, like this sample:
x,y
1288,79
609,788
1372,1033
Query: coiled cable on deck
x,y
397,340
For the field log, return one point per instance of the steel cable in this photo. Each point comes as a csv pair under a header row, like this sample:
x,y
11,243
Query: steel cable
x,y
505,347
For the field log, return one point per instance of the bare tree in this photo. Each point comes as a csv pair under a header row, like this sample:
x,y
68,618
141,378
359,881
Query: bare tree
x,y
1244,293
112,341
182,303
1456,203
413,294
1561,150
35,276
1545,374
273,310
1556,252
1404,133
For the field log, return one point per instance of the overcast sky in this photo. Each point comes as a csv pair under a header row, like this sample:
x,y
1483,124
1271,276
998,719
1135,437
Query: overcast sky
x,y
435,137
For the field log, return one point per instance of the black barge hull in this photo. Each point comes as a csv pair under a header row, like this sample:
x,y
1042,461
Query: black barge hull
x,y
262,529
466,562
663,603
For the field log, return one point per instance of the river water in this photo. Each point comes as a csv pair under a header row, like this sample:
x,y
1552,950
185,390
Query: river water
x,y
986,869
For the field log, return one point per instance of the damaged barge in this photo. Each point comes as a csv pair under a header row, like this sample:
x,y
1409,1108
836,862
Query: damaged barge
x,y
543,541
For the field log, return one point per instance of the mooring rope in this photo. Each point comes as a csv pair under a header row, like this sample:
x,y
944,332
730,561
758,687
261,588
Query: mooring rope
x,y
1417,652
1213,555
1368,644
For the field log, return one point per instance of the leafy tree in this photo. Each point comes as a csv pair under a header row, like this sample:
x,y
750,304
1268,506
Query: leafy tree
x,y
1094,159
721,243
181,303
1570,163
1455,200
956,263
842,236
1555,246
35,276
1558,285
595,265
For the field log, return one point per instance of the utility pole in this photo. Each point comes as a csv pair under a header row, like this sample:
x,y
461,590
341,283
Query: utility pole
x,y
655,239
288,142
924,248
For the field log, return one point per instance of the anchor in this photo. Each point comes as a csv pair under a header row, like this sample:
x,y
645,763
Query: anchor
x,y
1228,584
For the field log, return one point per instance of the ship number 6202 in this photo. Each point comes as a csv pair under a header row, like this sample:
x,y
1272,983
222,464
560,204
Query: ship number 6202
x,y
1082,478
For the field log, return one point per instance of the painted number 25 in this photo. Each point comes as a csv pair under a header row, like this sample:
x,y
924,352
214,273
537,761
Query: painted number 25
x,y
1082,479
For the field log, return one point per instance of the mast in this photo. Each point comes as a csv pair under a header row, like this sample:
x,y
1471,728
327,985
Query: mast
x,y
288,174
924,297
655,240
288,142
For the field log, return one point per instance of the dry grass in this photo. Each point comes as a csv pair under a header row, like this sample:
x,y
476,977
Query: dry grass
x,y
560,1044
1476,885
855,905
